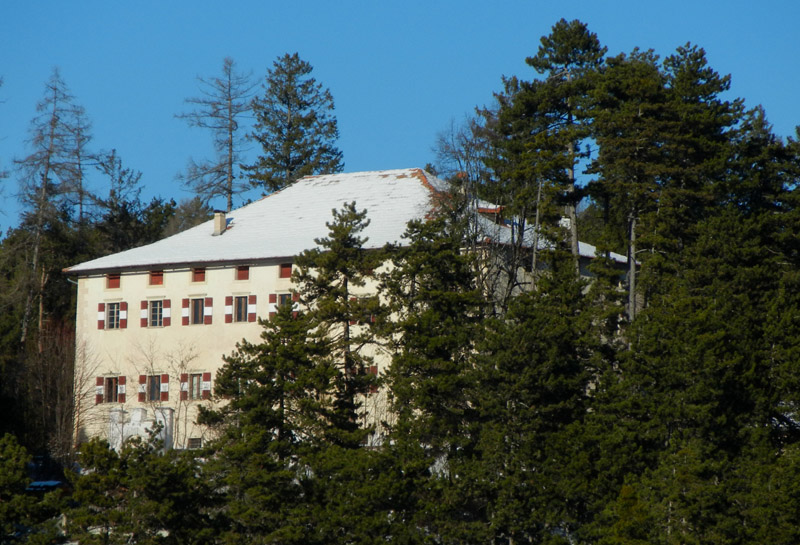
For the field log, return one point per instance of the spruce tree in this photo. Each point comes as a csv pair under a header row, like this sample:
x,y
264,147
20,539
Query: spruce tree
x,y
295,126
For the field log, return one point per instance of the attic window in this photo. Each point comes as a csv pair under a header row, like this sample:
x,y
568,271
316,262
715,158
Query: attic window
x,y
199,274
156,278
243,272
112,281
286,270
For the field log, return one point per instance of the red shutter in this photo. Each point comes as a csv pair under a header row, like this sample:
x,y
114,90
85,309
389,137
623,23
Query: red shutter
x,y
123,322
98,391
184,386
101,316
143,317
295,299
208,306
121,395
142,388
185,311
207,381
373,370
251,308
164,392
228,309
167,312
273,300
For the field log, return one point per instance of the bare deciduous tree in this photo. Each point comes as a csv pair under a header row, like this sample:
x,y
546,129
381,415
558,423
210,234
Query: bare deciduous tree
x,y
224,102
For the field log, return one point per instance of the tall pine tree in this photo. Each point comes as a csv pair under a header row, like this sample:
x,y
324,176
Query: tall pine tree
x,y
295,126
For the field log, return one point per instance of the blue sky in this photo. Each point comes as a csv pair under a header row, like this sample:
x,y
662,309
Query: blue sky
x,y
399,72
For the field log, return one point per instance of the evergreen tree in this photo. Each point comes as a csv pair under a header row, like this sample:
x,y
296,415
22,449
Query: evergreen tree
x,y
225,101
629,106
436,310
275,393
141,494
331,282
16,508
534,372
543,123
295,126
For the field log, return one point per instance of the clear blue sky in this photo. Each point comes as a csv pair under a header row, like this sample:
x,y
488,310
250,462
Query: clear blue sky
x,y
399,71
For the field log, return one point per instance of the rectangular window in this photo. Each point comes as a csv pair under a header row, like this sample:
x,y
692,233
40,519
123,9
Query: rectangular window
x,y
112,316
156,313
243,273
194,442
284,299
112,281
199,274
154,388
197,310
240,308
196,386
286,270
111,390
156,278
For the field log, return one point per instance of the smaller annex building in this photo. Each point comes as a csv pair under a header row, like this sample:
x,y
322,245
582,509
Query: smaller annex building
x,y
153,323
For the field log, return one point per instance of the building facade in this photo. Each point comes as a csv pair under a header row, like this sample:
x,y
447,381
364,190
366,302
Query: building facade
x,y
153,323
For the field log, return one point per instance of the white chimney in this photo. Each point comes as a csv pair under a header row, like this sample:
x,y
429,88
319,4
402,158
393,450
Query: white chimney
x,y
220,222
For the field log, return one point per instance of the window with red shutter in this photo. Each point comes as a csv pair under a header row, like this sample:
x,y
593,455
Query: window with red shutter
x,y
243,272
199,274
110,390
112,281
156,278
285,270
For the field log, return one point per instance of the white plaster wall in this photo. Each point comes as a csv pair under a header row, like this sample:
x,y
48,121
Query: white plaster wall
x,y
173,349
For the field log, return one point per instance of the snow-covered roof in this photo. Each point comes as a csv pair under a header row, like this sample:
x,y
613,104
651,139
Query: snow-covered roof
x,y
285,223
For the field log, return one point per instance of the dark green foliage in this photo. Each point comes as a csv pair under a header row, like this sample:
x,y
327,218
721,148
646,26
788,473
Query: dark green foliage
x,y
658,405
16,508
295,126
140,494
331,281
541,126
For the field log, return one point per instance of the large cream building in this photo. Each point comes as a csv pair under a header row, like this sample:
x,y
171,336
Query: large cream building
x,y
154,322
